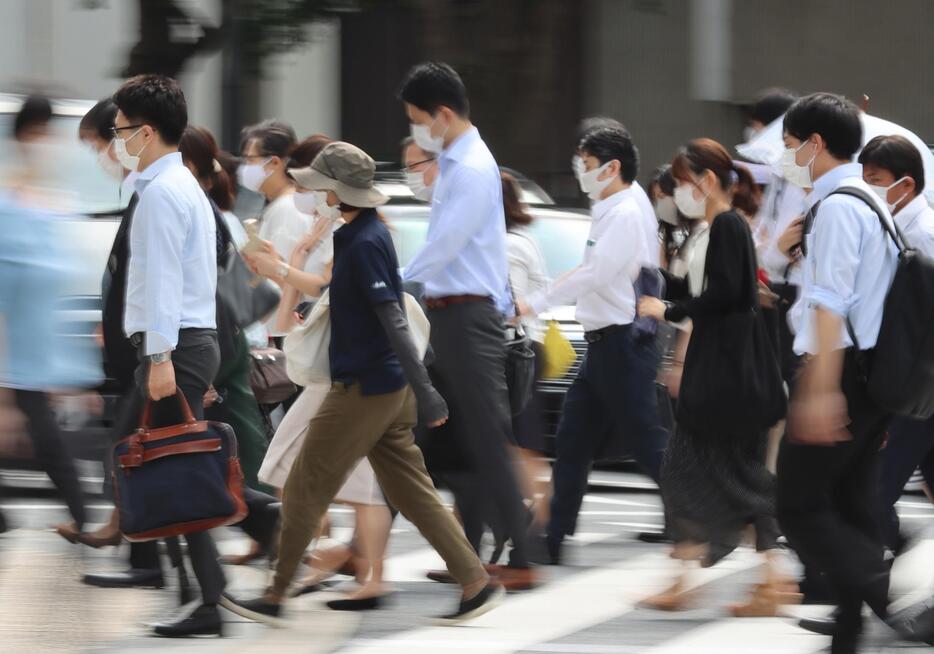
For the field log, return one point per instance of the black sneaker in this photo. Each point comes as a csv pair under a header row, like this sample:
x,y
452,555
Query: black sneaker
x,y
484,601
258,610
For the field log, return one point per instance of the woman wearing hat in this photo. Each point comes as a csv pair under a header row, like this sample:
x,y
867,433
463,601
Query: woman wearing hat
x,y
370,409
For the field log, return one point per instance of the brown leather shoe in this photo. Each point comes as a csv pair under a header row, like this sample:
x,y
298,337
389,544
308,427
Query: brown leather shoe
x,y
69,532
517,579
441,576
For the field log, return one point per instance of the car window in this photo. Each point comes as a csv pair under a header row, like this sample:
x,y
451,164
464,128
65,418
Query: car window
x,y
73,170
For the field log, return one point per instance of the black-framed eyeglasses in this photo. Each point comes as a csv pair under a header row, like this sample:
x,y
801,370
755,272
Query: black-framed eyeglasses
x,y
419,163
116,130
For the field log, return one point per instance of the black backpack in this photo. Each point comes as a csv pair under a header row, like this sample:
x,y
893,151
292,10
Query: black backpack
x,y
900,372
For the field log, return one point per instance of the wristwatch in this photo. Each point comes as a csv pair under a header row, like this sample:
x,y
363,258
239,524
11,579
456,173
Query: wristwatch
x,y
160,357
282,271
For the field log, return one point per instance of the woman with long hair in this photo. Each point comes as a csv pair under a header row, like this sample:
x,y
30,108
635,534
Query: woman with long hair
x,y
714,478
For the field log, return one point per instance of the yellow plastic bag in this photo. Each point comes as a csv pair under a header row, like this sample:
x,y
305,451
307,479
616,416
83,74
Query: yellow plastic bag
x,y
559,353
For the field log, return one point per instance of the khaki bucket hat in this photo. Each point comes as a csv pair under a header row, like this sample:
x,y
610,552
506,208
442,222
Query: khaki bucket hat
x,y
345,169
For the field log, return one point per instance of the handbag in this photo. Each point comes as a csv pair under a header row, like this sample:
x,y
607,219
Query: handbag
x,y
520,363
307,348
560,355
268,376
177,480
245,298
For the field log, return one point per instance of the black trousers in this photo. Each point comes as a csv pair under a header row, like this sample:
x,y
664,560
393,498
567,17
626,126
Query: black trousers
x,y
614,393
51,451
196,361
469,345
910,446
826,503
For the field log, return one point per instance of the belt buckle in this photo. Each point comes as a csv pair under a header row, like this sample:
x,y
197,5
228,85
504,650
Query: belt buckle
x,y
592,337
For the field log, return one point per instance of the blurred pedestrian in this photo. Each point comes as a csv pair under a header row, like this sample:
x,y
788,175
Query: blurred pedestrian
x,y
714,480
893,168
421,170
170,299
673,228
615,385
371,407
34,357
527,275
827,484
464,271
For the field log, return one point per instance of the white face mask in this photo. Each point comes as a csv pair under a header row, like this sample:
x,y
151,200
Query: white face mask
x,y
883,192
252,176
421,134
800,176
127,160
308,201
108,165
592,186
326,211
688,204
667,211
416,184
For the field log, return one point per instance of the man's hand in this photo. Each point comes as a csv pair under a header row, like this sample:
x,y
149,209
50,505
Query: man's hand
x,y
819,418
433,410
210,397
161,380
791,237
652,307
524,309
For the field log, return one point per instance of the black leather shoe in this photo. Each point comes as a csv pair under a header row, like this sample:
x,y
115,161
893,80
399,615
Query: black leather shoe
x,y
365,604
132,578
205,621
654,537
258,609
822,626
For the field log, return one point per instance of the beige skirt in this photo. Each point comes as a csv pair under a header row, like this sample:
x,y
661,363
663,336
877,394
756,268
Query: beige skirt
x,y
360,486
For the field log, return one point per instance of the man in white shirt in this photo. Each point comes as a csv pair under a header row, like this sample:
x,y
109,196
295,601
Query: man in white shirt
x,y
464,272
826,494
893,168
615,388
171,283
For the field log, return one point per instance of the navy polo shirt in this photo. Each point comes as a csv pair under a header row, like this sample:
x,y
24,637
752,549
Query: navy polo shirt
x,y
365,274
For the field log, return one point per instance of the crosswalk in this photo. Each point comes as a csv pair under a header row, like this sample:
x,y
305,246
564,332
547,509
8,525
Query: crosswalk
x,y
589,606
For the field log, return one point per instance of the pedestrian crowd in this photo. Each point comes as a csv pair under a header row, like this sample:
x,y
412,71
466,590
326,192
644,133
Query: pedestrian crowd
x,y
347,378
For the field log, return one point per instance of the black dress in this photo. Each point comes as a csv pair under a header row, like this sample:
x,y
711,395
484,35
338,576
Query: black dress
x,y
714,480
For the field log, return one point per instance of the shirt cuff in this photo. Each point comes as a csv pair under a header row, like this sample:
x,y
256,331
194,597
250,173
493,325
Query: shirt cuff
x,y
155,343
829,300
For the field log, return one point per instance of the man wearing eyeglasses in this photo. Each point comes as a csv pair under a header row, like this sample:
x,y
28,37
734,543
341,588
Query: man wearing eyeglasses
x,y
171,283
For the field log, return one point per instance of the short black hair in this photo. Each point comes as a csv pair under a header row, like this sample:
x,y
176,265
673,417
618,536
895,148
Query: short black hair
x,y
99,119
832,116
275,138
36,111
770,104
607,142
665,180
157,101
897,155
432,85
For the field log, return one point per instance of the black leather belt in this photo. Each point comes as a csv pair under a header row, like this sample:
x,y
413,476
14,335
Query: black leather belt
x,y
597,335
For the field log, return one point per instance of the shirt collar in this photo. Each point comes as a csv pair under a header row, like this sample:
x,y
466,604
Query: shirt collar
x,y
907,216
158,167
457,150
346,232
602,207
831,180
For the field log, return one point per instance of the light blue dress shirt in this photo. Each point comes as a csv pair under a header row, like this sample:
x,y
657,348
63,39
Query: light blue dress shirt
x,y
849,266
172,276
36,351
465,253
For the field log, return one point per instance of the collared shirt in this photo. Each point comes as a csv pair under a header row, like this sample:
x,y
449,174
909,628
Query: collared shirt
x,y
365,275
616,250
172,276
782,204
916,222
849,266
465,252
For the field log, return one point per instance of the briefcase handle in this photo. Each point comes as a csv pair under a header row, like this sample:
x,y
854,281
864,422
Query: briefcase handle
x,y
186,411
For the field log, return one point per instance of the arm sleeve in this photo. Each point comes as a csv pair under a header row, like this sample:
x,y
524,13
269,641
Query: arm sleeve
x,y
835,244
620,249
468,204
431,406
157,239
729,260
676,288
